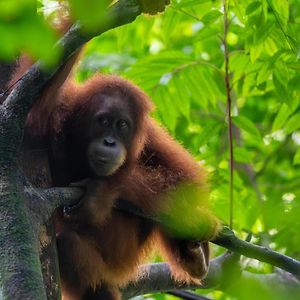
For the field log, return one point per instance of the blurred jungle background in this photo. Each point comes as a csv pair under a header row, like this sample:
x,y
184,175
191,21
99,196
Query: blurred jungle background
x,y
178,58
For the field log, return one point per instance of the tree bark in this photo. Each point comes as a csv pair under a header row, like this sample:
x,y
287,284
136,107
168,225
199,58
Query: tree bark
x,y
21,216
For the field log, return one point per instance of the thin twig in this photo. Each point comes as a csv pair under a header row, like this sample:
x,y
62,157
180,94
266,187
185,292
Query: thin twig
x,y
228,96
186,13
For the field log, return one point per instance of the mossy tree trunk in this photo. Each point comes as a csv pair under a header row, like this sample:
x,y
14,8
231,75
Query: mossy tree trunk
x,y
23,210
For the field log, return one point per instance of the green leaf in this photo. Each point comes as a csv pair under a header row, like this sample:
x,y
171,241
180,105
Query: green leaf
x,y
292,124
205,33
265,8
281,117
281,10
255,52
211,17
263,75
242,155
209,131
248,84
247,125
197,91
190,3
166,107
91,13
238,64
252,7
296,160
282,73
280,89
170,22
206,84
181,95
263,32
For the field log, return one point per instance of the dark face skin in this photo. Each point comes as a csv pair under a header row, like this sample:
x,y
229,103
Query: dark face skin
x,y
111,133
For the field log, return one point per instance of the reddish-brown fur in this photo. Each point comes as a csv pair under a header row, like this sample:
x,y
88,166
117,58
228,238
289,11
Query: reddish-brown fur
x,y
99,247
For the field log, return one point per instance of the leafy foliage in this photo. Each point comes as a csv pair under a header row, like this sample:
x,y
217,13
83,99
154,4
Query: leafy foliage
x,y
23,29
178,58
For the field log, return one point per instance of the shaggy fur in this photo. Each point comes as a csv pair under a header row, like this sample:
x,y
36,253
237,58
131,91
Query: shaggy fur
x,y
100,248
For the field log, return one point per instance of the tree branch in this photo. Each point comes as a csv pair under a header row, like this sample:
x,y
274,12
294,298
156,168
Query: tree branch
x,y
44,201
153,278
228,240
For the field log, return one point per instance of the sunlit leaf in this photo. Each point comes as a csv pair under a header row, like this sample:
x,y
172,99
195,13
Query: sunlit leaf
x,y
281,117
166,108
181,95
280,9
247,125
263,75
190,3
296,159
282,93
252,7
211,17
242,155
292,124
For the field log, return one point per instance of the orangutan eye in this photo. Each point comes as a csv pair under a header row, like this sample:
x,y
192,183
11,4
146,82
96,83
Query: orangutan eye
x,y
103,121
123,125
